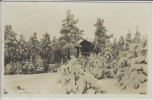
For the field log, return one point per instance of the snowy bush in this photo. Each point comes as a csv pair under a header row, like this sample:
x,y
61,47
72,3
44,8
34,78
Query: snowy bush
x,y
101,66
132,67
38,65
77,80
11,69
132,78
7,69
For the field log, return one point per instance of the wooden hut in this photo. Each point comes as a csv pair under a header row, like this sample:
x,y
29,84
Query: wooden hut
x,y
84,48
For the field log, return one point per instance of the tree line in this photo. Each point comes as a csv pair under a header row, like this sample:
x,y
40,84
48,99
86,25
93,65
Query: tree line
x,y
59,50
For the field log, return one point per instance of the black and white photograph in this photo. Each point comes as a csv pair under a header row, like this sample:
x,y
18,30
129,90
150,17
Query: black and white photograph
x,y
72,48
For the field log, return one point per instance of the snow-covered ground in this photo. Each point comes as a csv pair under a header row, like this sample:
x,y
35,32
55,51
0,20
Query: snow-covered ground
x,y
47,84
33,84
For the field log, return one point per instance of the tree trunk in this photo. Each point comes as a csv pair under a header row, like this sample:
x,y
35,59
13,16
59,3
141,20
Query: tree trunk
x,y
68,54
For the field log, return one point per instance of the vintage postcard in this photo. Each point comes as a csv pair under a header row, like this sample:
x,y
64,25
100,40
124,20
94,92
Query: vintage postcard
x,y
76,48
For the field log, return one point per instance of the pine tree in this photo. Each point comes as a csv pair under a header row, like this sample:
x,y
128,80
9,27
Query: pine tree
x,y
115,49
100,35
137,36
121,43
57,51
121,40
128,41
34,49
22,49
142,48
46,48
70,33
10,45
128,37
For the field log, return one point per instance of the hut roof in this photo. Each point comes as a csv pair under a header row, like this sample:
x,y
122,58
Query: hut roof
x,y
82,41
89,40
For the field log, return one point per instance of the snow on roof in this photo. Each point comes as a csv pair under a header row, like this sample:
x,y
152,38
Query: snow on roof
x,y
87,39
80,41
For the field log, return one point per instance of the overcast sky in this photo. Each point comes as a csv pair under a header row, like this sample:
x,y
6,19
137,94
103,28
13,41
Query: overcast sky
x,y
27,18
